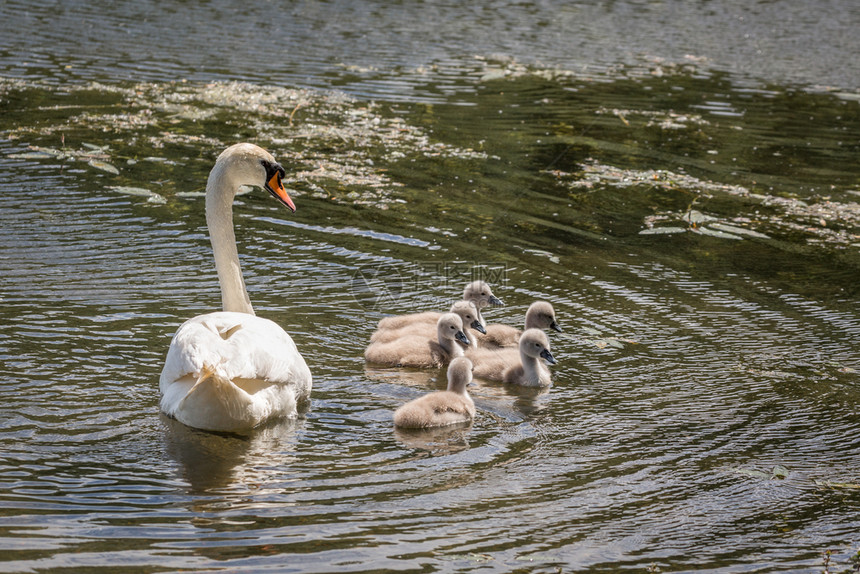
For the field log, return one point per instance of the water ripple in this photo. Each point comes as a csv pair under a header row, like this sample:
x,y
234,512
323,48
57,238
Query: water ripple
x,y
696,417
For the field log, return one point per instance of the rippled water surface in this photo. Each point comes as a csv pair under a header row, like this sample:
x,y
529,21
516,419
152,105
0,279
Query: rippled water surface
x,y
681,182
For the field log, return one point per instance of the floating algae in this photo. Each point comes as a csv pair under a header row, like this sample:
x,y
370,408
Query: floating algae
x,y
104,166
825,221
332,143
151,196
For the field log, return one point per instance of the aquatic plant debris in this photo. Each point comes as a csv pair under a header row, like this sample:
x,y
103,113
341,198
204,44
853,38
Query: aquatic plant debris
x,y
778,472
826,221
333,142
664,119
600,341
838,485
497,67
340,149
151,196
104,166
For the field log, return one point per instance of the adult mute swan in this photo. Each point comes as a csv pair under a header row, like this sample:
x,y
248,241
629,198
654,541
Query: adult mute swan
x,y
231,370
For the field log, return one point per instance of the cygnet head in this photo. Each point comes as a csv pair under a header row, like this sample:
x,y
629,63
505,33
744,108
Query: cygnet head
x,y
541,315
481,295
450,327
459,375
469,314
248,164
534,343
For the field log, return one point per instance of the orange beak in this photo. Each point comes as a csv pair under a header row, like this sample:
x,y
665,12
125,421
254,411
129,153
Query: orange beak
x,y
276,188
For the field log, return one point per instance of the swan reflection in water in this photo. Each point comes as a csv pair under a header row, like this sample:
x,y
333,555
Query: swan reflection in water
x,y
211,461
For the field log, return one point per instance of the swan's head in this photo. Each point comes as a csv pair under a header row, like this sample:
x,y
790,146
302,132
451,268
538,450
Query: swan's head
x,y
459,374
481,295
542,315
535,343
249,164
469,314
450,326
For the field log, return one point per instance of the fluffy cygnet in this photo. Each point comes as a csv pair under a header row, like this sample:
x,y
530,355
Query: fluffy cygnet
x,y
465,309
478,292
518,366
441,408
422,351
540,315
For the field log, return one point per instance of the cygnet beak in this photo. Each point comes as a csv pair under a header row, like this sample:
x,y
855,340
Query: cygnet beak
x,y
496,302
554,326
461,337
476,325
547,356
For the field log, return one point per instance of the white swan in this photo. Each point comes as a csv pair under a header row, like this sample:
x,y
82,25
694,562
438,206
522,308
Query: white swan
x,y
231,370
441,408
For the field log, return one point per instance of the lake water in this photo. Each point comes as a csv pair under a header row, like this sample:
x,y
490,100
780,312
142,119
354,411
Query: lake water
x,y
680,180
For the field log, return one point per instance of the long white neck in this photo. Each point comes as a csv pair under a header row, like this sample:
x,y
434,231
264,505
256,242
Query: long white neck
x,y
220,190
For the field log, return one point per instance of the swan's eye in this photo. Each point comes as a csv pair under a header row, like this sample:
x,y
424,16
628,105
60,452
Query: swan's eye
x,y
273,169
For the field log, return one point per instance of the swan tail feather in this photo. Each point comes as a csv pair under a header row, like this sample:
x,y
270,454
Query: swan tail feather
x,y
214,397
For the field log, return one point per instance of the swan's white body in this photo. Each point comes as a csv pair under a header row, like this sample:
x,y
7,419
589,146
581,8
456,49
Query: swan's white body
x,y
231,370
